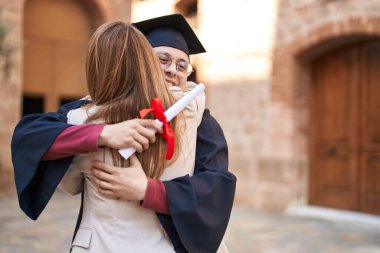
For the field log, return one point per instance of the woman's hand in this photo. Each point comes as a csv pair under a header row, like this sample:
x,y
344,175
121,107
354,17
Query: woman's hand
x,y
131,133
128,183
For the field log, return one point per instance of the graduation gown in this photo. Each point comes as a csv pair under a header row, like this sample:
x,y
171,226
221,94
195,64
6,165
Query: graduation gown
x,y
200,206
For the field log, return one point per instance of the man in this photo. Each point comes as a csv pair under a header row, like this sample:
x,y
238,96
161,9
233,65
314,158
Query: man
x,y
194,211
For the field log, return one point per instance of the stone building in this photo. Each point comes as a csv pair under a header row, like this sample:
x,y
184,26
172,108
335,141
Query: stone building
x,y
294,84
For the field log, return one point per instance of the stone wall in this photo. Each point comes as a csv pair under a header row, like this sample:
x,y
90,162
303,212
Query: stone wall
x,y
10,86
305,29
242,111
265,115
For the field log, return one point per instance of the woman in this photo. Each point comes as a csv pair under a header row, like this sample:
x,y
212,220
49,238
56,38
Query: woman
x,y
123,75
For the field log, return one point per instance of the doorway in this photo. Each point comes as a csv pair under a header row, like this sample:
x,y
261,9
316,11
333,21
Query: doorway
x,y
345,128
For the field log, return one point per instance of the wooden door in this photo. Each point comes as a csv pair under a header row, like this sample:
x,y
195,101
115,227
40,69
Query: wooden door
x,y
370,134
55,40
345,133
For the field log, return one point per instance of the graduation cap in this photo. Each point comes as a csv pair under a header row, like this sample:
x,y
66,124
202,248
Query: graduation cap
x,y
171,31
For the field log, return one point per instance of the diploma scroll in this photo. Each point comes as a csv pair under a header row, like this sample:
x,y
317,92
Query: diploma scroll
x,y
170,114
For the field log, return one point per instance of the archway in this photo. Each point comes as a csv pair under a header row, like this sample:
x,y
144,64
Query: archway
x,y
293,91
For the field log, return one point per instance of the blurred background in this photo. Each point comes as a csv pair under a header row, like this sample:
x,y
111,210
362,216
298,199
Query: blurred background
x,y
295,85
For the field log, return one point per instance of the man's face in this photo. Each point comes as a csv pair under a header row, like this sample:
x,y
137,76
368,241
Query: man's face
x,y
174,63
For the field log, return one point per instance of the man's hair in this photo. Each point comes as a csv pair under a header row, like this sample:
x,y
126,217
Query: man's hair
x,y
123,75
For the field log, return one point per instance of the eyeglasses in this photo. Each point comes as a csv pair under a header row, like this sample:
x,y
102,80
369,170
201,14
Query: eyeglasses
x,y
184,69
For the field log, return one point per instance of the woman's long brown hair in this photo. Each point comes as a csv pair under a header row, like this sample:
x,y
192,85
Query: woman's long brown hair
x,y
123,75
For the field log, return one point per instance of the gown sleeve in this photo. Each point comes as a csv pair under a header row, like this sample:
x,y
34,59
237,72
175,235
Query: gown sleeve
x,y
37,180
76,139
200,206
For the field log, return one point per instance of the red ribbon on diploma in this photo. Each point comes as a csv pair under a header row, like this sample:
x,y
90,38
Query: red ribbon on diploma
x,y
158,111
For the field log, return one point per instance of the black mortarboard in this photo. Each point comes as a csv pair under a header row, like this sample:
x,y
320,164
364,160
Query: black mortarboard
x,y
171,31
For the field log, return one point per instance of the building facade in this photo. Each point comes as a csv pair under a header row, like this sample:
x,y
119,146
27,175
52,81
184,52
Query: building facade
x,y
293,83
43,46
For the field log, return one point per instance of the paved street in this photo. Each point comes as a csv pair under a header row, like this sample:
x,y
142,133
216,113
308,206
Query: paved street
x,y
257,232
249,231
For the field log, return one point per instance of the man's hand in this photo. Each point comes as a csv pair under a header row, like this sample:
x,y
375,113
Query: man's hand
x,y
120,183
131,133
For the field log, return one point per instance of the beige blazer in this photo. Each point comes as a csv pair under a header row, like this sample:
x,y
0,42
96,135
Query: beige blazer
x,y
124,226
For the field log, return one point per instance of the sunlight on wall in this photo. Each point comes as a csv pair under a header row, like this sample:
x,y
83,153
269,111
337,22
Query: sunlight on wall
x,y
151,8
238,37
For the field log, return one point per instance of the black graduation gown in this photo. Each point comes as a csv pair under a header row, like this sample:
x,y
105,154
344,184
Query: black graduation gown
x,y
200,205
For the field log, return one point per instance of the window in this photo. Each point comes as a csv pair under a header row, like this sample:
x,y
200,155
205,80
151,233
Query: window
x,y
32,104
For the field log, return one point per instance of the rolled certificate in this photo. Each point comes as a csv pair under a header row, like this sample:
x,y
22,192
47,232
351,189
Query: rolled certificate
x,y
170,114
